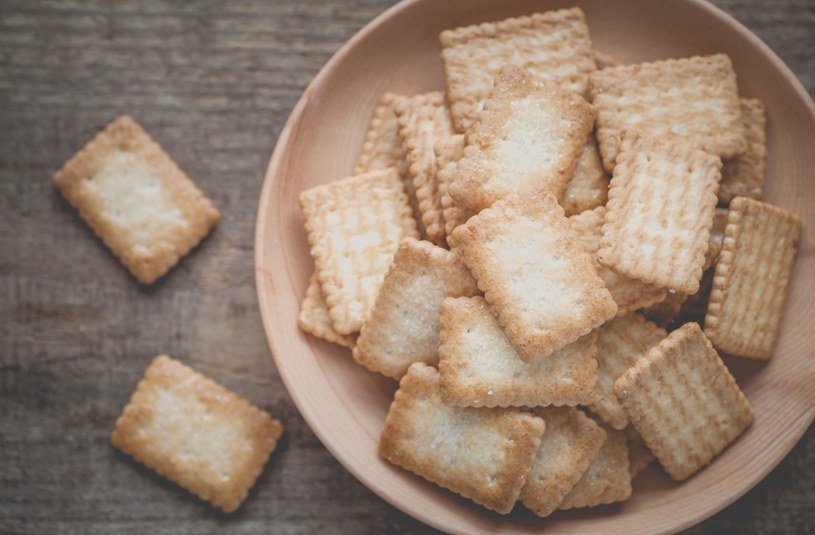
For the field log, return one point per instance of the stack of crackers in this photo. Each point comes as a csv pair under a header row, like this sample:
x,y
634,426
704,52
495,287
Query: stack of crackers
x,y
549,256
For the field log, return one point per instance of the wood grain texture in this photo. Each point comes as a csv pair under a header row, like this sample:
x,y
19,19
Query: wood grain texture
x,y
213,82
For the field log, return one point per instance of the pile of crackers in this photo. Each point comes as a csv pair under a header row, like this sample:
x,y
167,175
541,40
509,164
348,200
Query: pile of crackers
x,y
549,257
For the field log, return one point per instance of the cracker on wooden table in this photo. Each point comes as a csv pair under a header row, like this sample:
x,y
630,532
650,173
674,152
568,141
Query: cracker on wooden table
x,y
136,199
354,226
751,280
683,401
604,60
479,367
571,442
424,119
639,456
588,187
607,479
620,343
529,137
538,279
315,319
448,153
659,213
629,294
482,454
744,174
693,100
554,45
404,325
196,433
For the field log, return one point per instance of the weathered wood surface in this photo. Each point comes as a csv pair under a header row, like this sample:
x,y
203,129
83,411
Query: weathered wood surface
x,y
213,82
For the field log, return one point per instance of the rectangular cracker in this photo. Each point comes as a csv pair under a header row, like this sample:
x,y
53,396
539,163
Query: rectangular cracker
x,y
196,433
482,454
588,187
554,45
639,456
538,279
448,153
620,343
692,100
423,120
315,319
478,366
136,199
744,175
354,226
629,294
659,213
752,278
530,136
404,325
571,442
683,401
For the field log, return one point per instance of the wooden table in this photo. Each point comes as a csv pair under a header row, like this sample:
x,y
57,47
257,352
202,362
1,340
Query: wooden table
x,y
213,82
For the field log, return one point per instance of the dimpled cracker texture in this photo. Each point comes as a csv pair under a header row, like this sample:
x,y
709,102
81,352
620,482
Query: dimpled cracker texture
x,y
482,454
136,199
354,226
314,318
571,442
744,174
751,280
479,367
404,325
693,100
530,136
196,433
554,45
588,187
683,401
448,153
538,279
659,214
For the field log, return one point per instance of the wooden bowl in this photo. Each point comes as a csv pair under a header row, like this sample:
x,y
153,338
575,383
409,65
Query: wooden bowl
x,y
345,405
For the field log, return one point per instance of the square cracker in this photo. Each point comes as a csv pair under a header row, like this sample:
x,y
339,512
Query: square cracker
x,y
196,433
693,100
571,442
660,210
136,199
538,279
314,318
404,325
554,45
448,153
479,367
530,136
482,454
588,187
744,174
752,278
423,120
354,226
683,401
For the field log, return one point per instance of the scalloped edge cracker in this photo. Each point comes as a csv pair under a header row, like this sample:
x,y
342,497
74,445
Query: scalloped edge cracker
x,y
315,319
588,187
744,175
448,153
639,456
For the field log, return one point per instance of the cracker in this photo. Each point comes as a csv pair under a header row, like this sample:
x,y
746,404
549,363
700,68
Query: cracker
x,y
136,199
588,187
683,401
196,433
424,119
404,324
752,278
554,45
571,442
314,318
482,454
620,343
354,226
639,456
530,136
608,479
448,153
537,278
744,175
659,213
479,367
603,60
692,100
629,294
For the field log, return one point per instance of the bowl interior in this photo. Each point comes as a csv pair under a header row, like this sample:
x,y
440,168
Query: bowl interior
x,y
346,405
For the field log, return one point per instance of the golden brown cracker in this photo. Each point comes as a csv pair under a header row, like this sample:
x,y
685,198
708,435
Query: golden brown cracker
x,y
315,319
448,153
743,175
196,433
482,454
136,199
639,456
683,401
588,187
